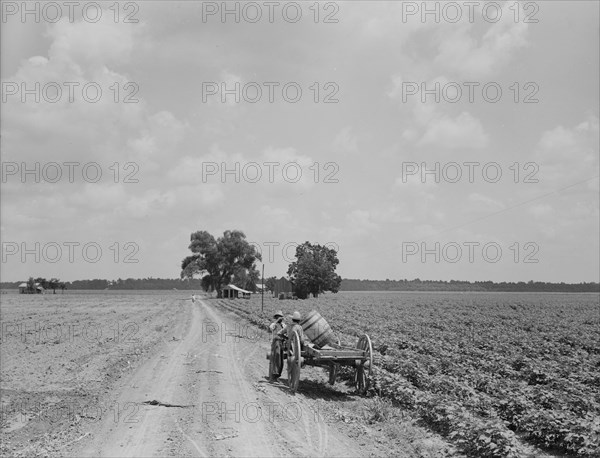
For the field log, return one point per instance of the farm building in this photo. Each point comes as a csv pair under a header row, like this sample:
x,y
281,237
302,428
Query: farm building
x,y
39,289
283,285
233,292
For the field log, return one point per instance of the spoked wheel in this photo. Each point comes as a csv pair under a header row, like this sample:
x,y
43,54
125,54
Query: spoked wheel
x,y
275,360
362,374
294,360
333,370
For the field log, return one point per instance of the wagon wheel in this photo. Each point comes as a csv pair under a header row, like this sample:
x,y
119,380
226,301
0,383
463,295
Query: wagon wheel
x,y
362,374
294,360
333,370
275,360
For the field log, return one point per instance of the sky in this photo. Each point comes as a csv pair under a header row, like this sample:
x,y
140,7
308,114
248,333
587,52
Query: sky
x,y
438,140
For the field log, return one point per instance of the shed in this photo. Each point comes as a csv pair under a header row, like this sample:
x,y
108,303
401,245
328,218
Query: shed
x,y
233,292
23,289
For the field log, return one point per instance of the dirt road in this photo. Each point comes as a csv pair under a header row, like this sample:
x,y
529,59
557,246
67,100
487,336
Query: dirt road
x,y
206,394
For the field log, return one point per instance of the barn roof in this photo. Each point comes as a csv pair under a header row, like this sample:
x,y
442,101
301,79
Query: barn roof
x,y
236,288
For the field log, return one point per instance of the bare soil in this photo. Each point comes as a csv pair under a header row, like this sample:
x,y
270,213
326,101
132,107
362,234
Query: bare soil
x,y
161,376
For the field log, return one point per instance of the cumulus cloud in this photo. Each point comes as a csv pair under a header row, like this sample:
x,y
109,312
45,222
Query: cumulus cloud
x,y
461,54
359,223
485,202
414,177
111,43
568,154
346,141
82,96
151,202
463,131
558,139
231,173
68,123
568,163
433,124
382,23
393,214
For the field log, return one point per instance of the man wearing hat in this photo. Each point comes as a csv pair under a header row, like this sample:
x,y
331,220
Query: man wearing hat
x,y
289,330
294,326
278,324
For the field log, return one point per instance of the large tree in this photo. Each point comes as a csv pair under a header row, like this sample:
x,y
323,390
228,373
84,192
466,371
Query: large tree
x,y
313,272
219,260
42,282
246,279
53,284
31,285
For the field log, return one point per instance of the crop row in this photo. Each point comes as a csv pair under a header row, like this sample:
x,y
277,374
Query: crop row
x,y
484,375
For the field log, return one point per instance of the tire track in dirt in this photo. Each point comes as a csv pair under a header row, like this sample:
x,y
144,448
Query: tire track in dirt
x,y
216,401
308,434
231,399
146,432
277,419
308,429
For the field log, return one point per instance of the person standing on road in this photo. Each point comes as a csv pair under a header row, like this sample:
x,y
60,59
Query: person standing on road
x,y
275,327
278,324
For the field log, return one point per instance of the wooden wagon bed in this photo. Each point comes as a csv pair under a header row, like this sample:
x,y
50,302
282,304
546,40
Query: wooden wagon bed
x,y
330,356
331,353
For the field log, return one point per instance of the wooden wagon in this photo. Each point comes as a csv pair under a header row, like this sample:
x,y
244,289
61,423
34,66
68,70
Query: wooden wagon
x,y
330,356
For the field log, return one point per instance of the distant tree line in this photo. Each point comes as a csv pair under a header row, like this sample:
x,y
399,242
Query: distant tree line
x,y
457,285
119,284
346,285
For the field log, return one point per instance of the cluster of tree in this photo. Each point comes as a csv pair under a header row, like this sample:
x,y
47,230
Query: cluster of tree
x,y
219,262
231,259
53,284
457,285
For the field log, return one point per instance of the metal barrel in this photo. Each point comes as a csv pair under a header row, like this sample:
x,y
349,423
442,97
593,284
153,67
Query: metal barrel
x,y
317,329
